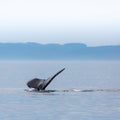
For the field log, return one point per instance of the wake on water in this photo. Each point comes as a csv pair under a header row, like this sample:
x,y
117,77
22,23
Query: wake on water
x,y
49,91
74,90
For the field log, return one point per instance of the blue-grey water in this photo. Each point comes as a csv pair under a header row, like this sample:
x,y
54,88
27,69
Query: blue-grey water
x,y
94,90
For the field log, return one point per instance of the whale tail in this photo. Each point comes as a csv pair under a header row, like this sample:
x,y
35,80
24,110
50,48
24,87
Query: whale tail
x,y
41,84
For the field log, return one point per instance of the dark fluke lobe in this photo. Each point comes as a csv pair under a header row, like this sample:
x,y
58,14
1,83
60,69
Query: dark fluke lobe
x,y
41,84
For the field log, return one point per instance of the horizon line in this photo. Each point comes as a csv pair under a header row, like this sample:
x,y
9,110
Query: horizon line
x,y
26,42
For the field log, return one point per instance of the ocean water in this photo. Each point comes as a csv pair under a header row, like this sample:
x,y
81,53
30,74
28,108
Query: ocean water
x,y
86,90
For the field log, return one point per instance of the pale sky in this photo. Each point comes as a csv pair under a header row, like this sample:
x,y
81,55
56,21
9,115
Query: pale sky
x,y
93,22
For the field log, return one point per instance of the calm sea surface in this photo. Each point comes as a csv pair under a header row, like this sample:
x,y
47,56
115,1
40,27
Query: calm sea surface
x,y
94,90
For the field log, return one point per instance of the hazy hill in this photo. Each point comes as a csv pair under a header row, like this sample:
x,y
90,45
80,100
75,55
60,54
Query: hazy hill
x,y
71,51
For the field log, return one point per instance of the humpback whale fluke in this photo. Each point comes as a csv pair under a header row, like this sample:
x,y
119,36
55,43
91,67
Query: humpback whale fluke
x,y
41,84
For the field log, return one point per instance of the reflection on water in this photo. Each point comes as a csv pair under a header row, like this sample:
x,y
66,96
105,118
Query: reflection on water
x,y
89,104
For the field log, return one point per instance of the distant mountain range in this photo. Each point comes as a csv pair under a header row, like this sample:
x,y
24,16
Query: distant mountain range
x,y
70,51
